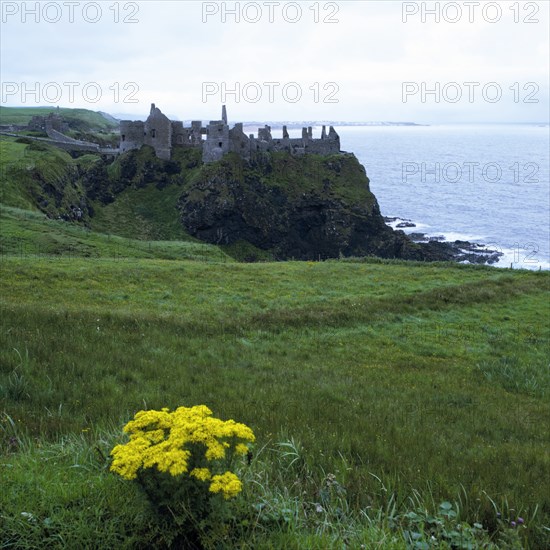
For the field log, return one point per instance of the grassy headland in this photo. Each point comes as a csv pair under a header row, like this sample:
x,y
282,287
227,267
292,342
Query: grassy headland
x,y
433,379
396,404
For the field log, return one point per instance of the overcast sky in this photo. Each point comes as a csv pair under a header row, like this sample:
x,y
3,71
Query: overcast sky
x,y
348,60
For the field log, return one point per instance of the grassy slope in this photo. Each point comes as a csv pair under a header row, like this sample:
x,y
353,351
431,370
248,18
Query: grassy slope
x,y
78,119
14,163
36,173
433,378
31,234
147,213
425,375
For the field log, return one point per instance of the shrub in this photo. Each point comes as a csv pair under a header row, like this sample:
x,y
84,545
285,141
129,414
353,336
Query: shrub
x,y
183,460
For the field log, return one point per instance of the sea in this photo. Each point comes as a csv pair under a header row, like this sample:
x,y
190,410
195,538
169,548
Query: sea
x,y
486,184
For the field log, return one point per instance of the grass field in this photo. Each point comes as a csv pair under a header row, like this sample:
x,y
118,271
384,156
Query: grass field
x,y
82,119
432,379
396,404
27,234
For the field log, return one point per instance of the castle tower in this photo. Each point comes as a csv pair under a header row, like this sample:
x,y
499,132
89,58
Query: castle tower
x,y
216,144
162,134
334,139
158,133
131,135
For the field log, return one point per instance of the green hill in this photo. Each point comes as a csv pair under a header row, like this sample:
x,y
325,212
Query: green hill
x,y
396,404
38,176
25,233
413,385
81,120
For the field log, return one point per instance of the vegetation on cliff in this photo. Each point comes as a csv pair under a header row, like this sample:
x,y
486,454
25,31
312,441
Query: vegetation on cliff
x,y
395,404
411,385
295,207
275,207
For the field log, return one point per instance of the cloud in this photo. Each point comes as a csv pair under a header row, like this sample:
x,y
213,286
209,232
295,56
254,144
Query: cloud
x,y
169,53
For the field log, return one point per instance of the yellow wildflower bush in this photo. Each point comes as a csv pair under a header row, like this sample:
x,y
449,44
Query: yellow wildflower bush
x,y
188,441
228,484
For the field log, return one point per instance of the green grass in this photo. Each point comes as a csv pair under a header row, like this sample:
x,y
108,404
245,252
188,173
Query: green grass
x,y
28,234
312,172
35,174
78,119
148,213
424,388
387,370
15,163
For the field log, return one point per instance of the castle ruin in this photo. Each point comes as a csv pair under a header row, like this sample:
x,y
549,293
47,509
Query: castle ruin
x,y
53,122
164,134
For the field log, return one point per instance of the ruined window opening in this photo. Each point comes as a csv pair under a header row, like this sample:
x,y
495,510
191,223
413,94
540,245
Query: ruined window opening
x,y
153,133
220,143
123,137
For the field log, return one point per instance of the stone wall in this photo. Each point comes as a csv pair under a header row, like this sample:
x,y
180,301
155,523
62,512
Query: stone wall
x,y
131,135
239,142
158,133
53,121
163,134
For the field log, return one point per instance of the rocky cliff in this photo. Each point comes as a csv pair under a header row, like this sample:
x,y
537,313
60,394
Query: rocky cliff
x,y
276,206
295,207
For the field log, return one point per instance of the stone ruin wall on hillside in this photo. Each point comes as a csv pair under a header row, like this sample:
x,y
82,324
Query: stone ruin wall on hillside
x,y
163,135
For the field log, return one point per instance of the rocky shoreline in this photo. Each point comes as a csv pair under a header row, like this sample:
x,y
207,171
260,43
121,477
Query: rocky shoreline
x,y
457,251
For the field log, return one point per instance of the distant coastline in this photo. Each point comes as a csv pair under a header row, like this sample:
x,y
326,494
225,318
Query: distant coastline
x,y
340,123
290,124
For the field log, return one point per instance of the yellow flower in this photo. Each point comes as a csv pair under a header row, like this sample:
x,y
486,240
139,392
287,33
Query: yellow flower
x,y
228,484
241,449
167,441
215,451
202,474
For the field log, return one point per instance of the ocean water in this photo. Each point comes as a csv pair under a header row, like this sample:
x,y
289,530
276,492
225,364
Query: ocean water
x,y
486,184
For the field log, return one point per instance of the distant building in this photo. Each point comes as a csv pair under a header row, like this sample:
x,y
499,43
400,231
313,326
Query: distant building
x,y
46,124
163,135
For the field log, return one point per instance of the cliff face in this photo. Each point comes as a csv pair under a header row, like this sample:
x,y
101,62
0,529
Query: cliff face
x,y
278,206
295,207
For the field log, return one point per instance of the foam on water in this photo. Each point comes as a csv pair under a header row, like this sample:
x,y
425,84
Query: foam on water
x,y
517,258
509,211
521,260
